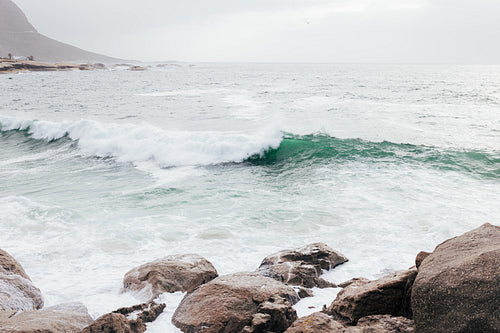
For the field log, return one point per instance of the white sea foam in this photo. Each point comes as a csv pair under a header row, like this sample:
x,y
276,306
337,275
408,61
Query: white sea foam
x,y
309,305
144,142
245,107
182,92
163,324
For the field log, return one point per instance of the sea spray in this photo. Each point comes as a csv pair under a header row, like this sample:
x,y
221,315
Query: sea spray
x,y
129,142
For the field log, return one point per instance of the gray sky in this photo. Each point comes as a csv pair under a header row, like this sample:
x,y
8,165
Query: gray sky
x,y
415,31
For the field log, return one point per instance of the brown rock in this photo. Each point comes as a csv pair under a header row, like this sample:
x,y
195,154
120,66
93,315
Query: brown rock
x,y
317,322
303,266
11,266
126,320
420,257
65,318
388,295
457,288
19,294
382,324
231,303
275,315
169,274
113,323
305,292
351,281
322,323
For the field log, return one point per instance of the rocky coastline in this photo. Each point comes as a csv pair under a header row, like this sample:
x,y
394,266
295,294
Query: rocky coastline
x,y
12,65
456,288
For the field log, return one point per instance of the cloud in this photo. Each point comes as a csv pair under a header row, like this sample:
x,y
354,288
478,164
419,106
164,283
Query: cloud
x,y
277,30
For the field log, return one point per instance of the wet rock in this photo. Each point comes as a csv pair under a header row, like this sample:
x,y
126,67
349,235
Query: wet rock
x,y
235,302
351,281
303,266
169,274
19,294
420,257
457,288
113,323
275,315
317,322
305,292
11,266
126,320
322,323
382,324
67,318
388,295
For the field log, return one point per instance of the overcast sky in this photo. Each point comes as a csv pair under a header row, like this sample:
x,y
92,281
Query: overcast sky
x,y
387,31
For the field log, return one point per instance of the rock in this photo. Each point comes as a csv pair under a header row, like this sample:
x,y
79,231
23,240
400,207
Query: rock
x,y
235,302
126,320
137,68
6,67
11,266
66,66
457,288
305,292
382,324
67,318
169,274
303,266
420,257
19,294
322,323
388,295
351,281
113,323
34,66
85,67
317,322
275,315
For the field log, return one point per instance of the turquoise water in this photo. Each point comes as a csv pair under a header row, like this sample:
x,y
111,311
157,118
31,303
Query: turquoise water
x,y
102,171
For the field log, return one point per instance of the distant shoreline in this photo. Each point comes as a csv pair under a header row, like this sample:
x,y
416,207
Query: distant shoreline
x,y
13,65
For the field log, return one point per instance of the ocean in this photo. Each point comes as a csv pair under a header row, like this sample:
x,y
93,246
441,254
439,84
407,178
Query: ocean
x,y
102,171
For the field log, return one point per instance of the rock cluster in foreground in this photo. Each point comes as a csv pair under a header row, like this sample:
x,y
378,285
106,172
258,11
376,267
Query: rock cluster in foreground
x,y
456,288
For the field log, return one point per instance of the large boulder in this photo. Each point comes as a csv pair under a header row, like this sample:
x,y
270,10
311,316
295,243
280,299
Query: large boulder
x,y
126,320
64,318
169,274
388,295
302,266
11,266
457,288
19,294
237,302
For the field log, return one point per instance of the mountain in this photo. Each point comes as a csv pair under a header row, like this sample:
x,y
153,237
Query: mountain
x,y
20,38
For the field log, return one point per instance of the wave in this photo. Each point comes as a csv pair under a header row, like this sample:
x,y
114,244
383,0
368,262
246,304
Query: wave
x,y
138,143
313,149
144,142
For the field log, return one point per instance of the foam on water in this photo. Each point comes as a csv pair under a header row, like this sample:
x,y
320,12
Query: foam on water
x,y
188,92
138,143
380,162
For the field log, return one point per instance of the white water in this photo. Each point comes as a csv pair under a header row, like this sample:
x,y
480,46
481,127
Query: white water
x,y
120,168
